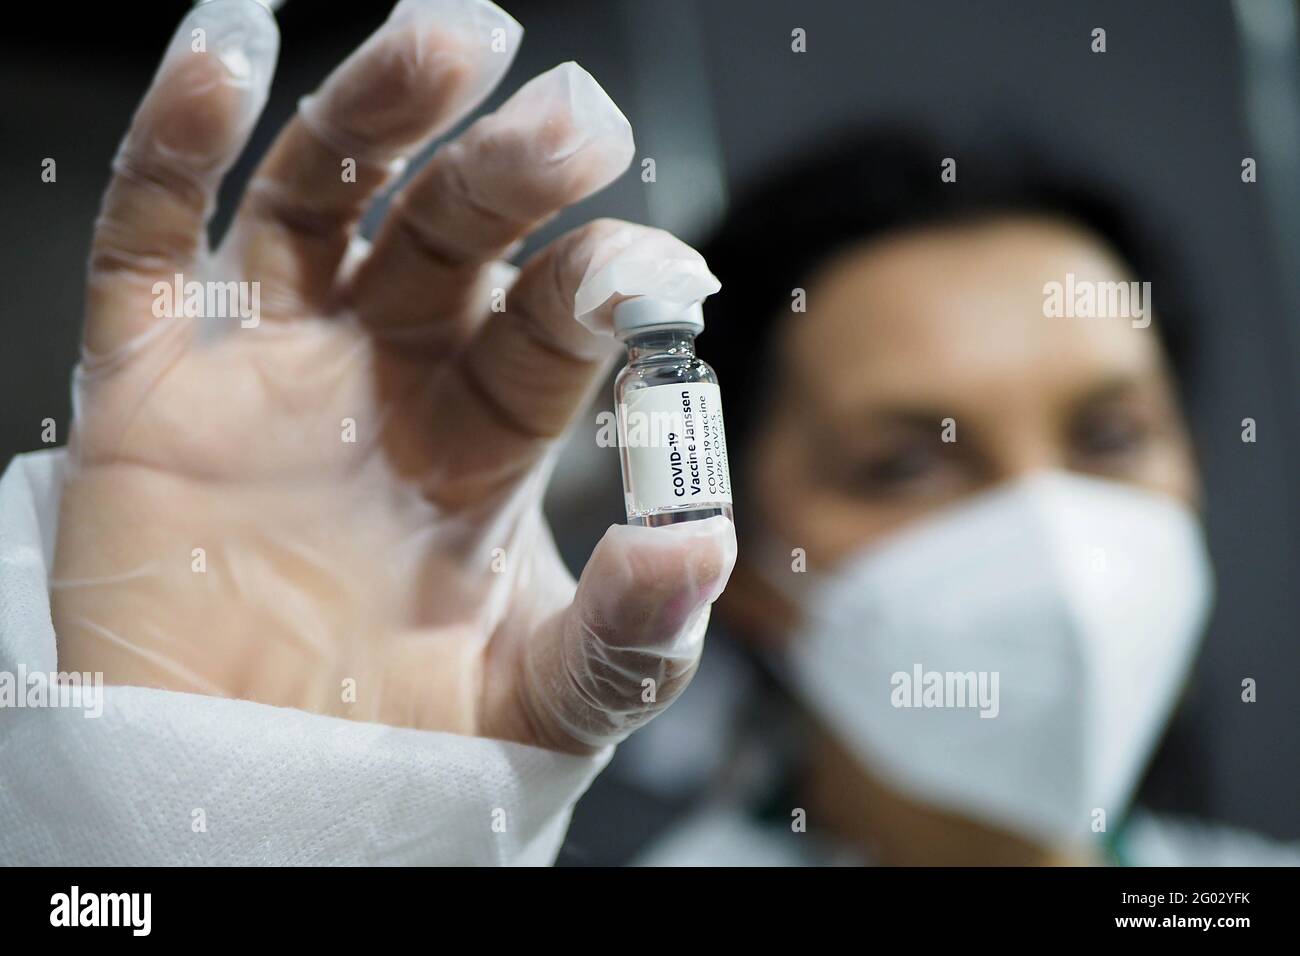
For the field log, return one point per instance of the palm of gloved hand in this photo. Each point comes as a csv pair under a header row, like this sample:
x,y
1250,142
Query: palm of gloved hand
x,y
338,508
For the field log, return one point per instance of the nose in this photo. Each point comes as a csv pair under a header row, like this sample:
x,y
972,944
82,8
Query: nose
x,y
1016,455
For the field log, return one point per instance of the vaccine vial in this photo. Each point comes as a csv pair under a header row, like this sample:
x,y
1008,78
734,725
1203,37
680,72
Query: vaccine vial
x,y
669,412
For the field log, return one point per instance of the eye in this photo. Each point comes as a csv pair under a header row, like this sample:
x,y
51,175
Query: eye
x,y
905,467
1106,436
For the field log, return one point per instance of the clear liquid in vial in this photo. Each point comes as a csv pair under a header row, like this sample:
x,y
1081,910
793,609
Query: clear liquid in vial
x,y
671,438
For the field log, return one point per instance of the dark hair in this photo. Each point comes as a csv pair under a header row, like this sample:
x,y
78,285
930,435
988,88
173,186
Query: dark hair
x,y
867,184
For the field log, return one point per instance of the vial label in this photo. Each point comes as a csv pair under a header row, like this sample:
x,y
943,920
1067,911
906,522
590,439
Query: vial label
x,y
676,448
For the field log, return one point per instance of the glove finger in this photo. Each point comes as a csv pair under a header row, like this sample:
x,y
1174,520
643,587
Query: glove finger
x,y
192,124
428,66
631,640
557,140
532,368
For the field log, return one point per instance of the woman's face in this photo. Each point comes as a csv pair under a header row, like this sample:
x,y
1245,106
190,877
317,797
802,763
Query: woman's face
x,y
946,323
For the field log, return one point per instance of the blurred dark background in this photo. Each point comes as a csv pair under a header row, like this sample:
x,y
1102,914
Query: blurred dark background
x,y
1184,92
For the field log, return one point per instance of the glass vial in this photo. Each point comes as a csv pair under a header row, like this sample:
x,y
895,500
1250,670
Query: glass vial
x,y
671,440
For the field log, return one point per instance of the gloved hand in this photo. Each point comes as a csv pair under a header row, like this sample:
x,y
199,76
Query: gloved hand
x,y
335,504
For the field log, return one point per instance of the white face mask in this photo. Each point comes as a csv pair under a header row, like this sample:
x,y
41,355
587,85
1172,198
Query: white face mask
x,y
1015,658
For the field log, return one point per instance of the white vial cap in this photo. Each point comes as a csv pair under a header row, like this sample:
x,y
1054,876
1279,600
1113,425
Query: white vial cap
x,y
644,313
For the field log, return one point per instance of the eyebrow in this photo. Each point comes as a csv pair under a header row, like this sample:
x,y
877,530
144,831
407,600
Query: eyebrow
x,y
1117,386
898,415
912,416
925,417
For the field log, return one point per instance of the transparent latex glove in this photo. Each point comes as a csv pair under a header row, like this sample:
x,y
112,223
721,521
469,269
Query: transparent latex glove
x,y
332,501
